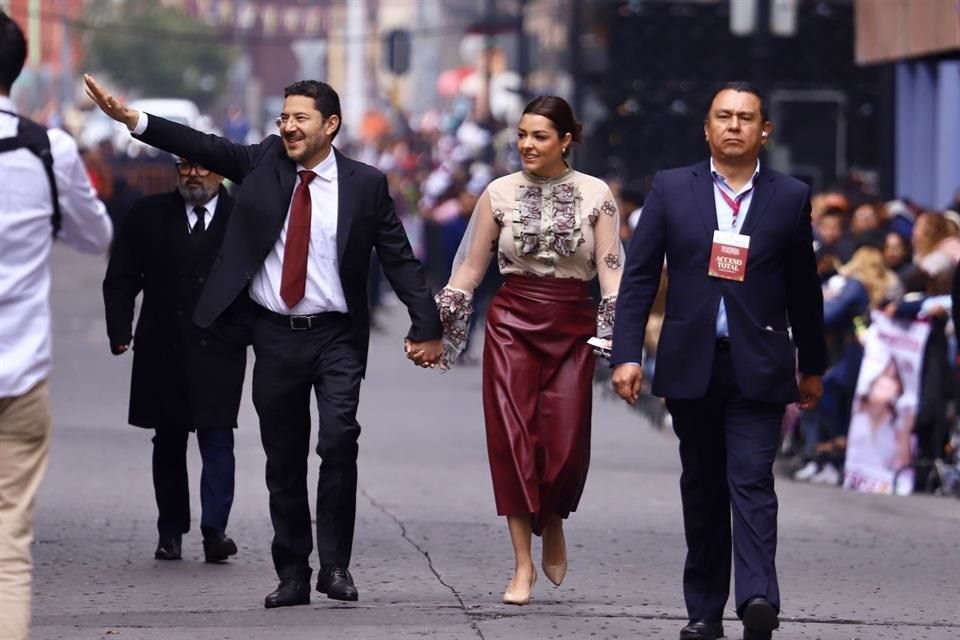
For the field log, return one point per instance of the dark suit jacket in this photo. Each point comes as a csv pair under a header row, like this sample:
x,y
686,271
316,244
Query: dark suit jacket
x,y
366,221
184,376
781,288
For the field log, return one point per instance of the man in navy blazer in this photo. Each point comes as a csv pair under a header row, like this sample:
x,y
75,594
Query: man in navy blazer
x,y
744,311
299,243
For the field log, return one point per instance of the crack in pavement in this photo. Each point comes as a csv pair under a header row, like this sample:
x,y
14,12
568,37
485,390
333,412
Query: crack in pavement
x,y
426,554
475,617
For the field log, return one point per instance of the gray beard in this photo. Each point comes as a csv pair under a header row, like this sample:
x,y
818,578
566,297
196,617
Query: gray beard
x,y
197,198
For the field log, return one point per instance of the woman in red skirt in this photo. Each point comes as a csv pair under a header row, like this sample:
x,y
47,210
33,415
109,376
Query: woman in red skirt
x,y
552,230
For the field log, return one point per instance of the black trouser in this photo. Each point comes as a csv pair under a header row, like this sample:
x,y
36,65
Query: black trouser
x,y
289,364
171,485
727,447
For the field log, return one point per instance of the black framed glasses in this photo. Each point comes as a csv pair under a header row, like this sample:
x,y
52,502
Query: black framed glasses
x,y
184,168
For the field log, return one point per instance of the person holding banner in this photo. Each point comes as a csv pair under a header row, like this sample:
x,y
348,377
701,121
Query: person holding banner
x,y
738,241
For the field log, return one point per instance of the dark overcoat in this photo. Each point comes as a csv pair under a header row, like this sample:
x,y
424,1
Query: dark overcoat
x,y
184,376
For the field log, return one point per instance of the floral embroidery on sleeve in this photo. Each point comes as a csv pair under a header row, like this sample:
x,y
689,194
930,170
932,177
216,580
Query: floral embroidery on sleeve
x,y
612,260
498,216
605,316
608,207
593,216
455,309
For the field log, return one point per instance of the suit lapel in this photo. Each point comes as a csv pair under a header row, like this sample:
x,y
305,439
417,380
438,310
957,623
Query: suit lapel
x,y
346,202
286,176
702,185
763,192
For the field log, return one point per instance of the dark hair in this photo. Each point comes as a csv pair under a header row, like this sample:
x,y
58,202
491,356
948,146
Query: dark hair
x,y
740,87
13,51
325,99
557,111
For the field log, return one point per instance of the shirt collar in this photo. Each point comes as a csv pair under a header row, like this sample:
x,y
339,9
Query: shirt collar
x,y
723,181
7,104
327,169
209,206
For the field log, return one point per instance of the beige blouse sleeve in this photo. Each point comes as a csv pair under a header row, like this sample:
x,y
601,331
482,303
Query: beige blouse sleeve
x,y
455,301
609,256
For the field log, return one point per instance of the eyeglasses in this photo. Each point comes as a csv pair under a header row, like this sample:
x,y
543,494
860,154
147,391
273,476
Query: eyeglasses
x,y
184,169
299,118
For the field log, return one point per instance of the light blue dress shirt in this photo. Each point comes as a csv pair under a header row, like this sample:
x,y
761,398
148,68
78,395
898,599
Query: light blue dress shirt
x,y
725,222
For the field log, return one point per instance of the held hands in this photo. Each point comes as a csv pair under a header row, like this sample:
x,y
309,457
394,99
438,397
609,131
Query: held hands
x,y
424,354
811,388
627,379
110,105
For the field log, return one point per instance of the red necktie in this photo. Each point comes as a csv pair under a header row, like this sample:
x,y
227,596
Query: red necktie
x,y
293,281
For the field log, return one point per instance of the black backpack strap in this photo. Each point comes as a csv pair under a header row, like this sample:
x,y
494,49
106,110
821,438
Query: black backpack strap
x,y
33,136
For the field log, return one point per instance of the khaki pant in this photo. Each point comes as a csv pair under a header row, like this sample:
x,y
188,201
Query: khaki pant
x,y
24,451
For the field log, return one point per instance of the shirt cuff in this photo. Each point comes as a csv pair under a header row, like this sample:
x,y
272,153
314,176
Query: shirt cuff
x,y
141,124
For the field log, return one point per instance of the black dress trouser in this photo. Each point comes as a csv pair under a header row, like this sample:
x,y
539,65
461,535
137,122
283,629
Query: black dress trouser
x,y
289,365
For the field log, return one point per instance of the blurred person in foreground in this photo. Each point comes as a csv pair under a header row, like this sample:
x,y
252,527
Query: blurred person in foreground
x,y
552,230
739,244
299,243
185,378
28,226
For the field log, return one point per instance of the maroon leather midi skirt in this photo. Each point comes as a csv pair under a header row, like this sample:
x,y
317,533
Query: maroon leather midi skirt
x,y
537,394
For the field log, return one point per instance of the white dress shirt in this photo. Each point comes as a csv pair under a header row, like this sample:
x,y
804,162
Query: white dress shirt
x,y
323,289
26,235
211,208
323,292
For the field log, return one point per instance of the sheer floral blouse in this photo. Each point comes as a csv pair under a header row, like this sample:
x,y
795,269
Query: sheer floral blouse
x,y
562,227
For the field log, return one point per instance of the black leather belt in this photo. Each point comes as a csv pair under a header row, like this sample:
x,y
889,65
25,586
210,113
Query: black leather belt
x,y
299,323
723,344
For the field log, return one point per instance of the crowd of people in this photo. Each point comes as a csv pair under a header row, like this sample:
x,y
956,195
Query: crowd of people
x,y
895,258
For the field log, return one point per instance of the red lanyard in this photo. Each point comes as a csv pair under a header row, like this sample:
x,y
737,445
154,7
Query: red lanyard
x,y
734,203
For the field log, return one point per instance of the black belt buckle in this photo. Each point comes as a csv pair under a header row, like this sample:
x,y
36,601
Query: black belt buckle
x,y
301,323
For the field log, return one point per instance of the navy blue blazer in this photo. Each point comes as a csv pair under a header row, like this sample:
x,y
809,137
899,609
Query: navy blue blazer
x,y
781,288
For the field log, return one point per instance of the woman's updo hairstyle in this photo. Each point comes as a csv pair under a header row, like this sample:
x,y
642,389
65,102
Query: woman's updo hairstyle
x,y
558,111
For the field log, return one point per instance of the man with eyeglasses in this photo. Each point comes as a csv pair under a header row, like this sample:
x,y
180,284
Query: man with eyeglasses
x,y
185,378
308,219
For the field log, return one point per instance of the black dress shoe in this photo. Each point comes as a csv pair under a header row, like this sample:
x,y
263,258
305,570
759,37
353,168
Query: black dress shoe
x,y
337,583
759,619
168,548
218,548
290,592
701,630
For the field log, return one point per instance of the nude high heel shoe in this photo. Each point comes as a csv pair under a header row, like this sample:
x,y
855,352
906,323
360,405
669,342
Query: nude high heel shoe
x,y
555,568
517,594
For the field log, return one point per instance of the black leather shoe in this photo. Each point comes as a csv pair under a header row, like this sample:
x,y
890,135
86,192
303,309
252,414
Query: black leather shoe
x,y
168,548
337,583
759,619
701,630
289,593
218,548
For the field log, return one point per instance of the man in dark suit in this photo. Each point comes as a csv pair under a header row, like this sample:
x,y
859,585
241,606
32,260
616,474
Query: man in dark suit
x,y
185,378
307,220
739,249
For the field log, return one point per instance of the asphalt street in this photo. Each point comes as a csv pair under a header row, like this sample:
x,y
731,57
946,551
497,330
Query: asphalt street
x,y
431,558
